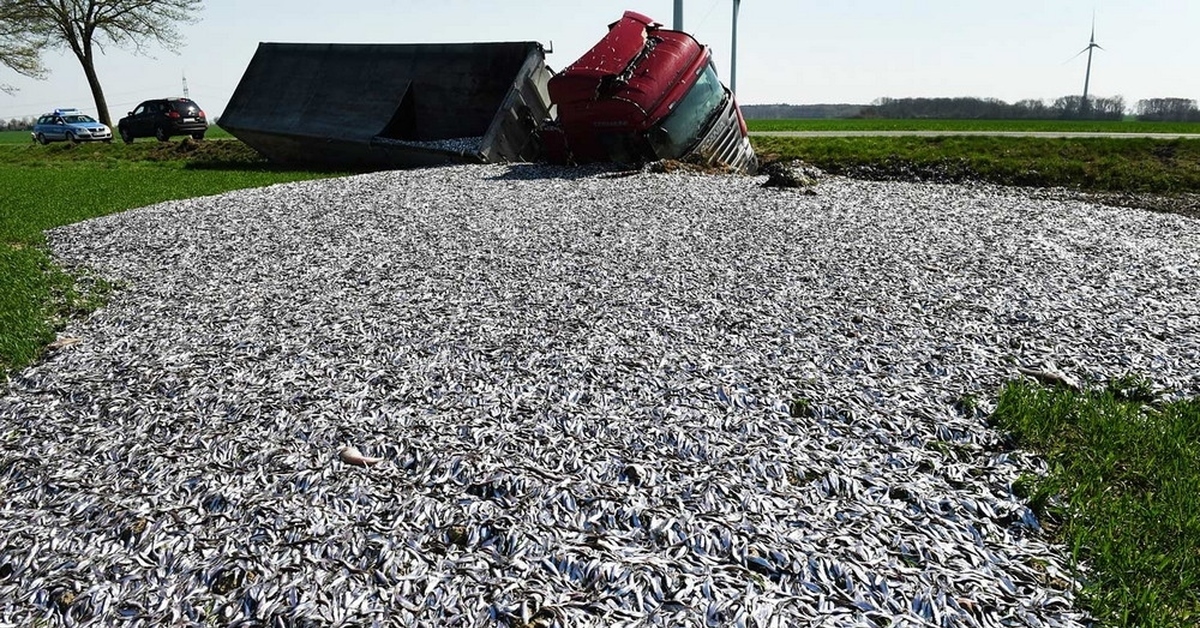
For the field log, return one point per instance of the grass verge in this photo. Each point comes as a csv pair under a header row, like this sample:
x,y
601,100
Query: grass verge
x,y
1093,164
49,186
1006,126
23,137
1123,493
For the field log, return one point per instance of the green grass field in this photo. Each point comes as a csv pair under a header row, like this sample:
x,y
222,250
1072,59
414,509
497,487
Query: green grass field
x,y
23,137
1123,493
1057,126
1094,164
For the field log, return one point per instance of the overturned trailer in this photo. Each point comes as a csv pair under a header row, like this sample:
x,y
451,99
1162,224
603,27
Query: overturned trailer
x,y
642,93
370,106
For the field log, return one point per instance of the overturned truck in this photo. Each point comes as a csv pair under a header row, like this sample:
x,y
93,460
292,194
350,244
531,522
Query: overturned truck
x,y
642,93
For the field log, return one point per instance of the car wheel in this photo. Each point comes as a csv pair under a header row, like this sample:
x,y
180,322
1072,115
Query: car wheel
x,y
197,136
41,139
161,134
72,138
126,136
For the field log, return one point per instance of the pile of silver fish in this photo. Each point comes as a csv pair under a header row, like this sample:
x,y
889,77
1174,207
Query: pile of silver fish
x,y
456,145
531,396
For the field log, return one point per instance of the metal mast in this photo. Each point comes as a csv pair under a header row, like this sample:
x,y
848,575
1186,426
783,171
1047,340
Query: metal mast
x,y
678,24
733,53
1087,77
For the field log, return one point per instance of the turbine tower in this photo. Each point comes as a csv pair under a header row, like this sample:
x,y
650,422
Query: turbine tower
x,y
1087,77
678,23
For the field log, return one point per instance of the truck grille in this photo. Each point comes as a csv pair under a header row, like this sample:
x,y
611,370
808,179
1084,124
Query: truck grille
x,y
724,145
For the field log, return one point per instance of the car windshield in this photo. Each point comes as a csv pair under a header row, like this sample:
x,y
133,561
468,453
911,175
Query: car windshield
x,y
76,119
684,127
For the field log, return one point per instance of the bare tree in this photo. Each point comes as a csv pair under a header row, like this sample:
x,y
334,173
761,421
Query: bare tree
x,y
20,47
1168,110
84,26
1110,108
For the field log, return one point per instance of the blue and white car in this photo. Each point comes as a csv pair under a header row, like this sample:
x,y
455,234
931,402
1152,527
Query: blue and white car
x,y
69,125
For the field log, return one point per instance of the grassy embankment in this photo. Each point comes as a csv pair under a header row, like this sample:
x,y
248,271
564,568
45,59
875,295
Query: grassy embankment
x,y
1123,493
1001,126
49,186
1114,165
23,137
1125,473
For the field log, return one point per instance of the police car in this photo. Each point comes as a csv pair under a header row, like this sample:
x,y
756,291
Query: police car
x,y
69,125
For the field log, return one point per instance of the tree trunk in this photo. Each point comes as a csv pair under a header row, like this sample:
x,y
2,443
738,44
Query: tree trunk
x,y
89,69
79,38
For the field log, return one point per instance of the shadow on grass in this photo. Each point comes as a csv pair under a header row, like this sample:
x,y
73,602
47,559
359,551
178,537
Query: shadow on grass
x,y
231,165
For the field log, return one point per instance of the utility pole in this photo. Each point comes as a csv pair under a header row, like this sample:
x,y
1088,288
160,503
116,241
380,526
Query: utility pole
x,y
185,89
733,53
678,24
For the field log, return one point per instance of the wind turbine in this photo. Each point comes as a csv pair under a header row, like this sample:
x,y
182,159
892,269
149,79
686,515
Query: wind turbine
x,y
1087,78
678,23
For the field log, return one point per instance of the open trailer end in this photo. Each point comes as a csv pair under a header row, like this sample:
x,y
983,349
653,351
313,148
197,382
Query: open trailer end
x,y
643,93
373,106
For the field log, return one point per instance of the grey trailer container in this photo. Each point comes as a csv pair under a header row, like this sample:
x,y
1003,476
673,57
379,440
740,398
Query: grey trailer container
x,y
377,106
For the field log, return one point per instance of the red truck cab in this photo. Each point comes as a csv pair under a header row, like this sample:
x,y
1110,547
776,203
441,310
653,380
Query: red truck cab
x,y
645,93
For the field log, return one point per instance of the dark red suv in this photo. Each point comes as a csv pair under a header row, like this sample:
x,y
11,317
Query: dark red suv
x,y
162,118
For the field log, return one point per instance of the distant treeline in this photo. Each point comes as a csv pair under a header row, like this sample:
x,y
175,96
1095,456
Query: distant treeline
x,y
1064,108
18,124
1168,110
798,112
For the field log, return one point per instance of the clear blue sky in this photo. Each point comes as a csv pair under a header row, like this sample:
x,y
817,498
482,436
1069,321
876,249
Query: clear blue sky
x,y
794,51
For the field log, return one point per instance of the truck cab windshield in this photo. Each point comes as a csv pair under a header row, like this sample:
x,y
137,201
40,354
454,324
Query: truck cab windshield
x,y
680,130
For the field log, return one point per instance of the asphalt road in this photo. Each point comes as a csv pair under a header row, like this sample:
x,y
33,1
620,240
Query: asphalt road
x,y
1063,134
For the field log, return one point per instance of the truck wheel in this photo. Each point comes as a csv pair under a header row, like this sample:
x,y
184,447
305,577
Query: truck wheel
x,y
126,136
161,134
